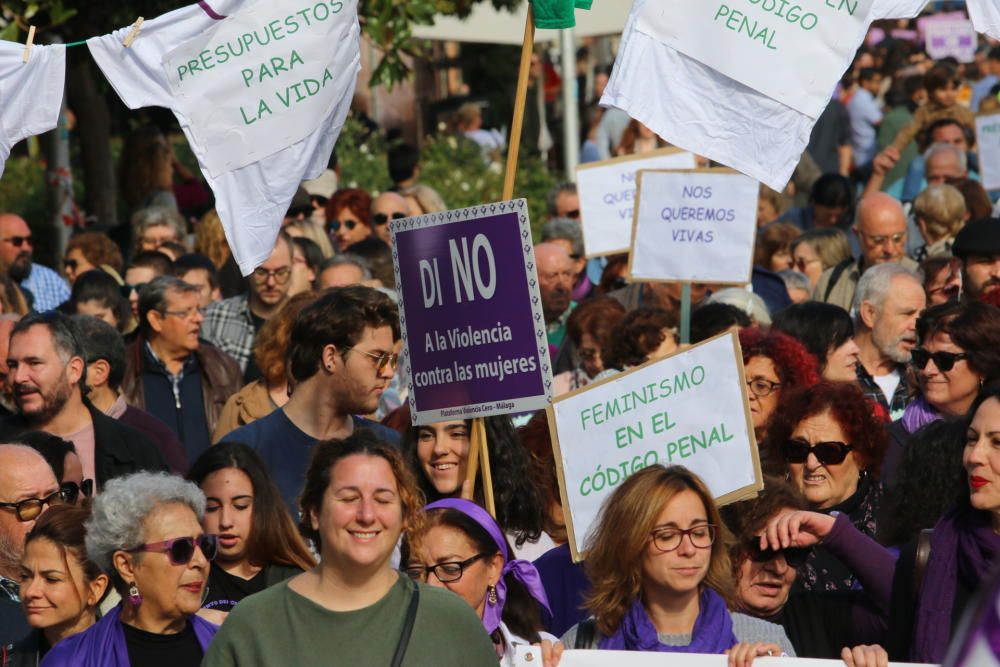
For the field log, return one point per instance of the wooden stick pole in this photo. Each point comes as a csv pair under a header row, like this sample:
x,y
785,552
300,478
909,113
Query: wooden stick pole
x,y
514,144
479,433
472,465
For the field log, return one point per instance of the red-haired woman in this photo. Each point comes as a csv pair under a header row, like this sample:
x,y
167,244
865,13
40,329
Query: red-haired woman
x,y
348,217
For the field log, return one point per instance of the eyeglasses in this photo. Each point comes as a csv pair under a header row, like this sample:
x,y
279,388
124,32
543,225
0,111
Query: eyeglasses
x,y
18,241
262,275
944,361
666,540
381,218
127,289
572,215
761,387
180,550
70,264
827,453
382,359
895,239
445,572
29,508
186,314
801,263
71,490
794,556
335,225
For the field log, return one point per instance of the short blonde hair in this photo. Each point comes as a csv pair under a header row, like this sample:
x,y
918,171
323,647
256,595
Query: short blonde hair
x,y
830,244
942,209
210,239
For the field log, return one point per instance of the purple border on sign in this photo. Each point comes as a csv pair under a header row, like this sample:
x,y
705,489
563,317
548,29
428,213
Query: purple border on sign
x,y
471,358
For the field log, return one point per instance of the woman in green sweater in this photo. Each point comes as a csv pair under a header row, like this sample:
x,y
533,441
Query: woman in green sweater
x,y
353,608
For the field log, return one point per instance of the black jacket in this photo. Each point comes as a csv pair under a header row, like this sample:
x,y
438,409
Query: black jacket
x,y
118,449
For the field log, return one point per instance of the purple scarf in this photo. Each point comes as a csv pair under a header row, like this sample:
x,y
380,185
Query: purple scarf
x,y
712,634
522,570
103,644
963,545
919,413
982,634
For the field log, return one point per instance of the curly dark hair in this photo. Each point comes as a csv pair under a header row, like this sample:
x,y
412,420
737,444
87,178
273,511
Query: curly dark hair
x,y
515,492
973,326
748,518
820,327
597,317
929,479
851,410
795,366
639,333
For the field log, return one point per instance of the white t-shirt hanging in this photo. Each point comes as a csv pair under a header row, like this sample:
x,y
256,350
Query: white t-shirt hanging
x,y
985,15
30,93
702,110
261,99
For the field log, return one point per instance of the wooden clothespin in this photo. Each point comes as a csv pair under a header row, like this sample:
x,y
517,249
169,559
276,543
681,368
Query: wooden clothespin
x,y
29,44
133,33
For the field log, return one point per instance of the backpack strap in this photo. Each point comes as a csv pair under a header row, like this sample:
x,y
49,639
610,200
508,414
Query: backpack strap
x,y
404,635
923,555
586,631
835,276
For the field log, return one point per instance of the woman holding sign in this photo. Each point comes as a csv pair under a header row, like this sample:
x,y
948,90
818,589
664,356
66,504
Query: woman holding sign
x,y
661,577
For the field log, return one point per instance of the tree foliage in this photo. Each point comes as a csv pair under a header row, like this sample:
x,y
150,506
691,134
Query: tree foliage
x,y
389,23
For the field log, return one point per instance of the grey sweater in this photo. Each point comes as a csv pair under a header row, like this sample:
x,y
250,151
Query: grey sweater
x,y
746,628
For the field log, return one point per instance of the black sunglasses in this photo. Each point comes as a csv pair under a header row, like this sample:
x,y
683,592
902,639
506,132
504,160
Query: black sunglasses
x,y
944,361
18,241
70,264
72,491
382,218
827,453
794,556
335,225
126,289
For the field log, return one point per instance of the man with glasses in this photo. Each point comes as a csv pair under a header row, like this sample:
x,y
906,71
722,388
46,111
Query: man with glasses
x,y
387,207
232,324
27,488
46,287
171,373
343,352
881,231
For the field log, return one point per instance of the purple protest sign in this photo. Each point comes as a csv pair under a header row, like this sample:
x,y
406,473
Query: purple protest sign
x,y
474,339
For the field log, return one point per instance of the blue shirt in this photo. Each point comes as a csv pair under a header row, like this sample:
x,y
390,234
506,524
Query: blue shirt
x,y
47,287
286,449
865,116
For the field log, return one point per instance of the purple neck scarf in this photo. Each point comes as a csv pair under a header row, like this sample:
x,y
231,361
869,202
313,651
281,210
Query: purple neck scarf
x,y
963,545
712,634
522,570
919,413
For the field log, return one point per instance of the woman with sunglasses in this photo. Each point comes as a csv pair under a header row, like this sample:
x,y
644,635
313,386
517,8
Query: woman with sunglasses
x,y
353,607
959,352
145,533
61,587
460,547
661,577
819,625
348,217
829,444
258,543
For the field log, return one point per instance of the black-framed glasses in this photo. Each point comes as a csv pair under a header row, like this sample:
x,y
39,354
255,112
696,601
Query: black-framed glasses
x,y
382,359
944,361
446,573
180,550
666,540
335,225
70,264
187,314
381,218
762,387
262,275
829,453
18,241
572,215
72,490
794,556
30,508
127,289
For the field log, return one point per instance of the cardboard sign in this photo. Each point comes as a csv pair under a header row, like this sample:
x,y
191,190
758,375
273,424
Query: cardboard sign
x,y
607,196
264,78
687,409
577,658
988,138
793,53
694,226
474,338
955,37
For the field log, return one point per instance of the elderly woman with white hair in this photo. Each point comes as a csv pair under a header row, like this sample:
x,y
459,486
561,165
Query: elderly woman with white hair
x,y
940,213
145,532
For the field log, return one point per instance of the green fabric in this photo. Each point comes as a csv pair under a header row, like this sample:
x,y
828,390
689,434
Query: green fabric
x,y
280,627
557,14
892,123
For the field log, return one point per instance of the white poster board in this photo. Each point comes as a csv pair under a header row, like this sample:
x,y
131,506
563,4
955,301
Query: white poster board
x,y
694,226
793,53
576,658
264,78
687,409
988,140
951,37
607,195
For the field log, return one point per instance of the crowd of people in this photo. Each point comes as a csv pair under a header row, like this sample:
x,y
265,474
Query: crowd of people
x,y
201,468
